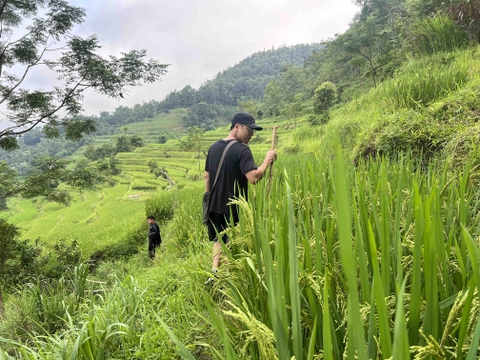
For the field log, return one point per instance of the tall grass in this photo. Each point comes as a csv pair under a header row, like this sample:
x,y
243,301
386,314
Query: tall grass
x,y
358,263
437,34
421,81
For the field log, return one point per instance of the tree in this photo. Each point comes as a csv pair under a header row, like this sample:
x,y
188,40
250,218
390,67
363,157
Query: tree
x,y
94,153
273,99
325,96
295,107
74,59
17,258
44,179
136,141
201,115
162,139
160,172
193,142
250,106
125,143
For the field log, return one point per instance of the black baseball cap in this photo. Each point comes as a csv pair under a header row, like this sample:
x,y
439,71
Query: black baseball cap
x,y
245,118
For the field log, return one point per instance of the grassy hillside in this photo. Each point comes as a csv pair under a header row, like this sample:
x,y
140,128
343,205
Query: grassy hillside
x,y
97,219
364,246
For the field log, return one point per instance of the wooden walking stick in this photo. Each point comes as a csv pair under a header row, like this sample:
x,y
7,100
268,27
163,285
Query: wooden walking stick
x,y
274,138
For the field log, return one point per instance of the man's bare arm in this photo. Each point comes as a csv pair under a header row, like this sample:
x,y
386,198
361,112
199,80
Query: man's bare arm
x,y
207,181
255,176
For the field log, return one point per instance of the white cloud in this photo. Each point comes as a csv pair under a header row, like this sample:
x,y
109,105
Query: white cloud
x,y
200,38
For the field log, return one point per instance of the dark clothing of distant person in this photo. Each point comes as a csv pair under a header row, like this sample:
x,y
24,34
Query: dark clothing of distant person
x,y
231,183
154,239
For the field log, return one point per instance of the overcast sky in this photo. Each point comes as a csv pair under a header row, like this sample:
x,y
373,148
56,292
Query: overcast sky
x,y
200,38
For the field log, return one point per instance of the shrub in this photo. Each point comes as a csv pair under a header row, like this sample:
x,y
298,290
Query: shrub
x,y
320,119
291,149
193,175
464,148
162,206
325,96
125,248
418,83
257,139
437,34
417,133
62,258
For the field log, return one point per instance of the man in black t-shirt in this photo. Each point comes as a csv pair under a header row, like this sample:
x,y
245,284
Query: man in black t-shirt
x,y
154,239
237,171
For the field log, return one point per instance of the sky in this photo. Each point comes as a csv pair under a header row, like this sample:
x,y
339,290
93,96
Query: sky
x,y
200,38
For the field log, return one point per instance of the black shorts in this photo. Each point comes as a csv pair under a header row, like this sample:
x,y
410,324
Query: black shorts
x,y
218,223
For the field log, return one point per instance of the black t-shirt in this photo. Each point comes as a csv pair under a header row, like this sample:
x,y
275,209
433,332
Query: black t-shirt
x,y
231,181
154,234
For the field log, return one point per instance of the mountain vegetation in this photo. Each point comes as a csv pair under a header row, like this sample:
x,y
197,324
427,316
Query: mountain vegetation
x,y
363,245
32,32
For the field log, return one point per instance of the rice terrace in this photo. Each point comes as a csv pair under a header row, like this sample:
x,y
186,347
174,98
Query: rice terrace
x,y
362,240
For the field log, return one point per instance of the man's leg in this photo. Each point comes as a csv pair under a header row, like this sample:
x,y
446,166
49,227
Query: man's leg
x,y
217,224
151,249
217,255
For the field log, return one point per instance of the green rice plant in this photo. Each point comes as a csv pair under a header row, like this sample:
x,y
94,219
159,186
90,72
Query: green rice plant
x,y
142,185
346,262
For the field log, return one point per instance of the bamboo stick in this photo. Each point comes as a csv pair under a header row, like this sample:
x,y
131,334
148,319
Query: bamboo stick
x,y
272,147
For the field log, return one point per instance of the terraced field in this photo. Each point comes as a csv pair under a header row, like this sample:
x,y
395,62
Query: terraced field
x,y
183,166
150,129
102,217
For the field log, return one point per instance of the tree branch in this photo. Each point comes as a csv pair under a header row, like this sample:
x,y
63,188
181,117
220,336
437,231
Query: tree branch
x,y
9,92
10,131
2,8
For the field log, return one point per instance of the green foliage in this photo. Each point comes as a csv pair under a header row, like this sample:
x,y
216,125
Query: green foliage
x,y
162,206
325,96
46,176
62,259
162,139
77,66
127,246
123,144
127,143
95,153
136,141
421,135
18,259
422,81
194,142
437,34
245,81
284,271
295,107
319,119
160,172
273,98
201,115
249,106
22,262
331,260
108,166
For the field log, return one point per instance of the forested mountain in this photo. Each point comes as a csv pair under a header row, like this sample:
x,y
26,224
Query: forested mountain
x,y
384,35
395,171
246,80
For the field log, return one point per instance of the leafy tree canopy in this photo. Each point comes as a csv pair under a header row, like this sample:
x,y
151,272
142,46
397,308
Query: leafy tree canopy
x,y
36,33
